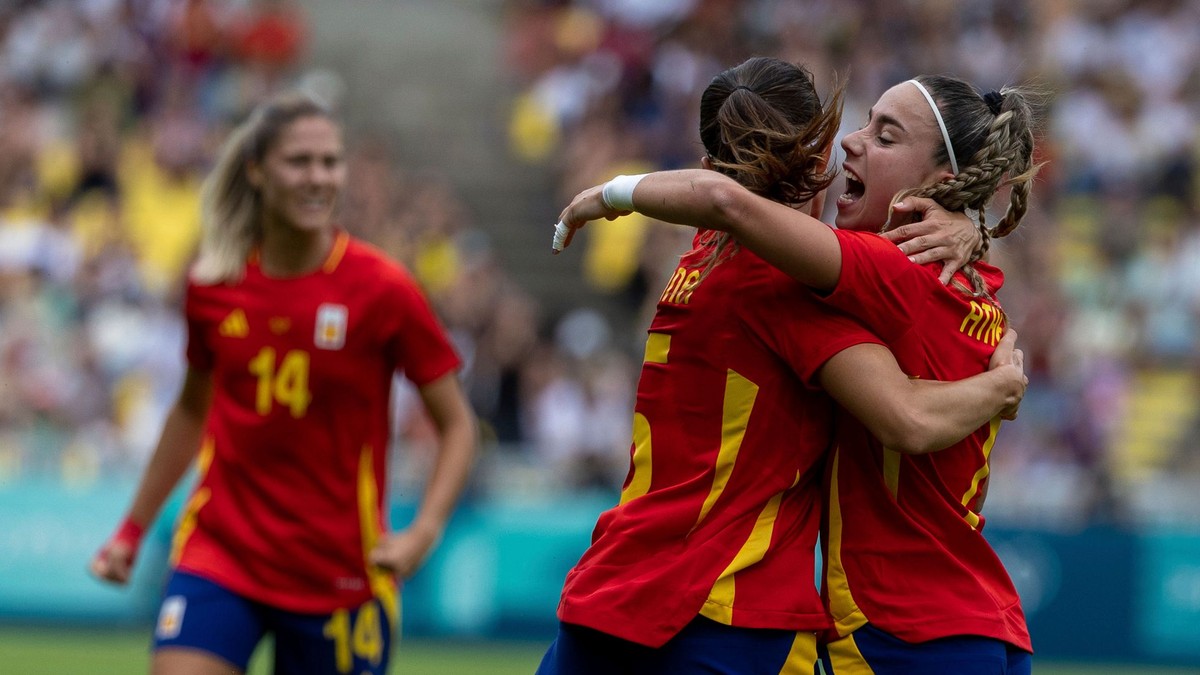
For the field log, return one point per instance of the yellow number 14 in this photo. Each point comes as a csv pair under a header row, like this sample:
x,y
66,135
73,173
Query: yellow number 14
x,y
286,385
364,641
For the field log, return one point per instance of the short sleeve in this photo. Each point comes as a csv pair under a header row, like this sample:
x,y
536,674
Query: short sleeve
x,y
198,352
419,344
880,286
803,331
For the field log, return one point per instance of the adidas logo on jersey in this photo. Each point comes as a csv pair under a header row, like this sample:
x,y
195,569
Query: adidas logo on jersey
x,y
234,325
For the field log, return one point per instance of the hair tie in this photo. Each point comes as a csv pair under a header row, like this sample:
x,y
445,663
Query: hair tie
x,y
994,100
742,86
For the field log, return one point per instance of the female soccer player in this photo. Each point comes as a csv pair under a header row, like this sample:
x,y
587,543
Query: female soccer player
x,y
706,563
912,585
295,330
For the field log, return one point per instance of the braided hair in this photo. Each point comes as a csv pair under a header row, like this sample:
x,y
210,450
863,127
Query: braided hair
x,y
993,138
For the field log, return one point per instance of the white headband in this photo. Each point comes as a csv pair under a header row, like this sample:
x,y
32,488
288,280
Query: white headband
x,y
937,115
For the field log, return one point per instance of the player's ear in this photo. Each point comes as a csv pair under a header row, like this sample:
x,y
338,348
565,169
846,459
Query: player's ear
x,y
706,162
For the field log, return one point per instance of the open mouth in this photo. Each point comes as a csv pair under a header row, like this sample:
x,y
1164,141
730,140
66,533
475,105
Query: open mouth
x,y
854,189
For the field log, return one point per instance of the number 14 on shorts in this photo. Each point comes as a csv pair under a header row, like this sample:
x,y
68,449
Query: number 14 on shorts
x,y
361,637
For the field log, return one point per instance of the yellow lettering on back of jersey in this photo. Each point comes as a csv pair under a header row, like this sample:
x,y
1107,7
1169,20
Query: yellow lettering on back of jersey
x,y
984,322
673,284
679,289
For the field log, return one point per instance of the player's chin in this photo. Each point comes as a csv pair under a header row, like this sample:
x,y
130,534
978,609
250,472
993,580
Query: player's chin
x,y
307,220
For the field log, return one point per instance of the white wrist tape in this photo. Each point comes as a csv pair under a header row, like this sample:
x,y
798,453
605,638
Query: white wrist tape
x,y
617,193
560,236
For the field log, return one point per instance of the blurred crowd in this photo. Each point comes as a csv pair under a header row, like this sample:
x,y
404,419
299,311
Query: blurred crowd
x,y
110,111
110,114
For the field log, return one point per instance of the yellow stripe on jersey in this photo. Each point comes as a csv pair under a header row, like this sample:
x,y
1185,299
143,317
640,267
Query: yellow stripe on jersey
x,y
187,522
657,347
802,657
847,659
972,518
383,584
847,616
719,606
639,482
740,394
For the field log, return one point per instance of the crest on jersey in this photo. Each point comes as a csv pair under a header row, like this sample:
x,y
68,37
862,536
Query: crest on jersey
x,y
170,617
331,326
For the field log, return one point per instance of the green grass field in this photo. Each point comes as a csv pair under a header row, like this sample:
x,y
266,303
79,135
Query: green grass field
x,y
48,651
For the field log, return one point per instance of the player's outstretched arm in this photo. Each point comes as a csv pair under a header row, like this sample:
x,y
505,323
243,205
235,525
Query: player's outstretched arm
x,y
919,416
791,239
404,551
177,447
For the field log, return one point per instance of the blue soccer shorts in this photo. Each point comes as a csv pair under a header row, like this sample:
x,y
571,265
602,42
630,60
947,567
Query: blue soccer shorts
x,y
199,614
703,646
870,650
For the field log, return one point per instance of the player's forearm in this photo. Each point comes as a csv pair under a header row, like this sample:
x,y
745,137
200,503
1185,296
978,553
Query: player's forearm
x,y
798,244
915,416
457,440
950,411
451,470
177,447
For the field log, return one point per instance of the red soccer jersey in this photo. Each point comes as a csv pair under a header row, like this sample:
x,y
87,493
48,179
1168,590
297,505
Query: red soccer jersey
x,y
293,466
720,510
902,539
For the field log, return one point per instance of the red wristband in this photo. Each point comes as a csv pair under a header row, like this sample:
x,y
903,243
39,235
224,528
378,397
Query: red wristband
x,y
129,533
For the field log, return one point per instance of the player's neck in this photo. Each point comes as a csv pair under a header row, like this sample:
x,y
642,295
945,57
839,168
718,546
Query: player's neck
x,y
290,252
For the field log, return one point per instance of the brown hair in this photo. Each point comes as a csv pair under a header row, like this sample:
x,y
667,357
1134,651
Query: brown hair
x,y
763,124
